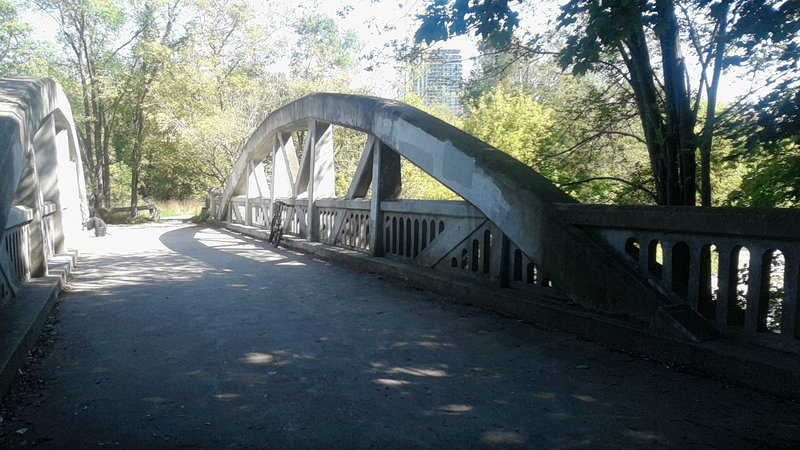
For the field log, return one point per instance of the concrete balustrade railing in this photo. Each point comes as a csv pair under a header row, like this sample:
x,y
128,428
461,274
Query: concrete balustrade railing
x,y
15,252
451,236
41,173
690,254
737,267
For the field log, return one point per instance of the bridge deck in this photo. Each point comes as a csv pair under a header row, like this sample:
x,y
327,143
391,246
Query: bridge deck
x,y
187,336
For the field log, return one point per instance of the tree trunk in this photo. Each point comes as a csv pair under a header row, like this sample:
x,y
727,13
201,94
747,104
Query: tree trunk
x,y
136,153
707,136
680,139
637,59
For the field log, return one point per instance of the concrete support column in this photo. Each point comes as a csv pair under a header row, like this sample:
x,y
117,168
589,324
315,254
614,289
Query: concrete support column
x,y
790,318
248,214
259,187
322,176
284,166
386,185
46,150
70,174
29,195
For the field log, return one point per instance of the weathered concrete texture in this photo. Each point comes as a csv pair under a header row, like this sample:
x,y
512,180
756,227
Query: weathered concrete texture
x,y
194,337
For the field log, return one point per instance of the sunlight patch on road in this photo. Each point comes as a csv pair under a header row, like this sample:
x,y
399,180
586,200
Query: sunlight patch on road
x,y
502,437
456,408
391,382
258,358
239,246
416,371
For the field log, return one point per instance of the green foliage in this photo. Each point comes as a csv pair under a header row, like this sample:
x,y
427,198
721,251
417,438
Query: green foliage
x,y
494,20
321,47
348,145
15,44
512,121
644,48
771,181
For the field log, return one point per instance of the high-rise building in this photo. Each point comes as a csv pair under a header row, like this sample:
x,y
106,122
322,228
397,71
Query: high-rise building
x,y
438,82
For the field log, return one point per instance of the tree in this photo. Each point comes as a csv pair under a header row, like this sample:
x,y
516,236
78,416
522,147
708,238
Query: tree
x,y
771,181
512,121
213,93
15,43
637,44
89,31
151,53
594,150
322,47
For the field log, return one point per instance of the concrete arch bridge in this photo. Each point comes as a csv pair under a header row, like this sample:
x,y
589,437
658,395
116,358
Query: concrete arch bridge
x,y
670,271
713,289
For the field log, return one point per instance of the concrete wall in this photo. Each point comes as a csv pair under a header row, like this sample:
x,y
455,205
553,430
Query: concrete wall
x,y
40,164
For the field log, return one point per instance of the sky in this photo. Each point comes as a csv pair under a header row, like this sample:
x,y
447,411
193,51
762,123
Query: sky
x,y
379,22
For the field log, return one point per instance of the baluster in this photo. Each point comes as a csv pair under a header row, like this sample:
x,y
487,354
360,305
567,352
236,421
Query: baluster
x,y
704,288
503,272
790,310
644,253
695,283
757,291
407,253
726,282
666,264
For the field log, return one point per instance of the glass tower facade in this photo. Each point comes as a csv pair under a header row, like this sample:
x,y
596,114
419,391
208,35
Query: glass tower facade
x,y
439,81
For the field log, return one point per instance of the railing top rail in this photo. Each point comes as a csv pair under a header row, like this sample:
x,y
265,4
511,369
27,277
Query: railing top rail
x,y
773,224
18,216
362,204
49,208
453,208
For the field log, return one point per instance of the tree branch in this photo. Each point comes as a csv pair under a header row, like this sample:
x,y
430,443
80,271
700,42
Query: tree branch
x,y
650,193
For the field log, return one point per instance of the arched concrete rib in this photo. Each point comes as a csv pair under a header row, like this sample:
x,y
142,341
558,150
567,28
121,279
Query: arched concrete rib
x,y
517,199
25,105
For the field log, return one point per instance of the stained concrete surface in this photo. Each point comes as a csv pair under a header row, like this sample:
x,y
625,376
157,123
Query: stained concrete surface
x,y
177,336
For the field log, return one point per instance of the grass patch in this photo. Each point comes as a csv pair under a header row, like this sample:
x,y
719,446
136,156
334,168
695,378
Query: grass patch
x,y
179,207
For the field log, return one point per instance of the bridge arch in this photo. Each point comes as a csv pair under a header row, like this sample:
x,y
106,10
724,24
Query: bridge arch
x,y
519,201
